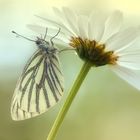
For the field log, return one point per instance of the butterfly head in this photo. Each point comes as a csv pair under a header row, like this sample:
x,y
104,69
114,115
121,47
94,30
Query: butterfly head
x,y
41,43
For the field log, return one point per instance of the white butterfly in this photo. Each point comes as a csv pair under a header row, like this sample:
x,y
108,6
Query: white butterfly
x,y
41,83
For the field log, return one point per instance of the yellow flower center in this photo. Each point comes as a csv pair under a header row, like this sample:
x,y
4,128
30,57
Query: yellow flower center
x,y
92,51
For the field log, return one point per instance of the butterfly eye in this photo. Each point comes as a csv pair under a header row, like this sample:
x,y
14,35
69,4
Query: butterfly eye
x,y
38,42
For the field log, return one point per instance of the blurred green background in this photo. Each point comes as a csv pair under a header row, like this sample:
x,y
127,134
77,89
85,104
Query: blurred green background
x,y
106,107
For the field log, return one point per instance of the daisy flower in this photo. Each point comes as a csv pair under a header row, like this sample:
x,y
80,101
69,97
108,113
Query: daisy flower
x,y
100,40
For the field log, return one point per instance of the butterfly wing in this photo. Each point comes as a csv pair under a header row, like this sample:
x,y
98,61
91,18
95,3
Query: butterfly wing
x,y
39,88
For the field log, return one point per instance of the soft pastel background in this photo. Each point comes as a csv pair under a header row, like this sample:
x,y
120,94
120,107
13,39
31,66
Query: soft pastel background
x,y
106,108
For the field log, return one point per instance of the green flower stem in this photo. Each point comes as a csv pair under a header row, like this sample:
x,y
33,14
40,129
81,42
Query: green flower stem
x,y
80,78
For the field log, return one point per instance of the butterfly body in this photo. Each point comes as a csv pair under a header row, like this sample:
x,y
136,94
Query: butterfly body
x,y
40,85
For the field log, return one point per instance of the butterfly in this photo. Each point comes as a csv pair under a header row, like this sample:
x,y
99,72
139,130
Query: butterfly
x,y
41,83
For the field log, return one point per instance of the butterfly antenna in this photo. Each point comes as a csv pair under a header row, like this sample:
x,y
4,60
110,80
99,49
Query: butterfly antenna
x,y
55,36
22,36
45,33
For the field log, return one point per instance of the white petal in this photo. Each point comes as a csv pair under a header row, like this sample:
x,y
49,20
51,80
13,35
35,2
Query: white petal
x,y
52,23
71,19
131,48
83,26
61,16
130,65
129,56
132,77
42,29
96,26
58,13
50,33
36,28
122,39
112,25
130,61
